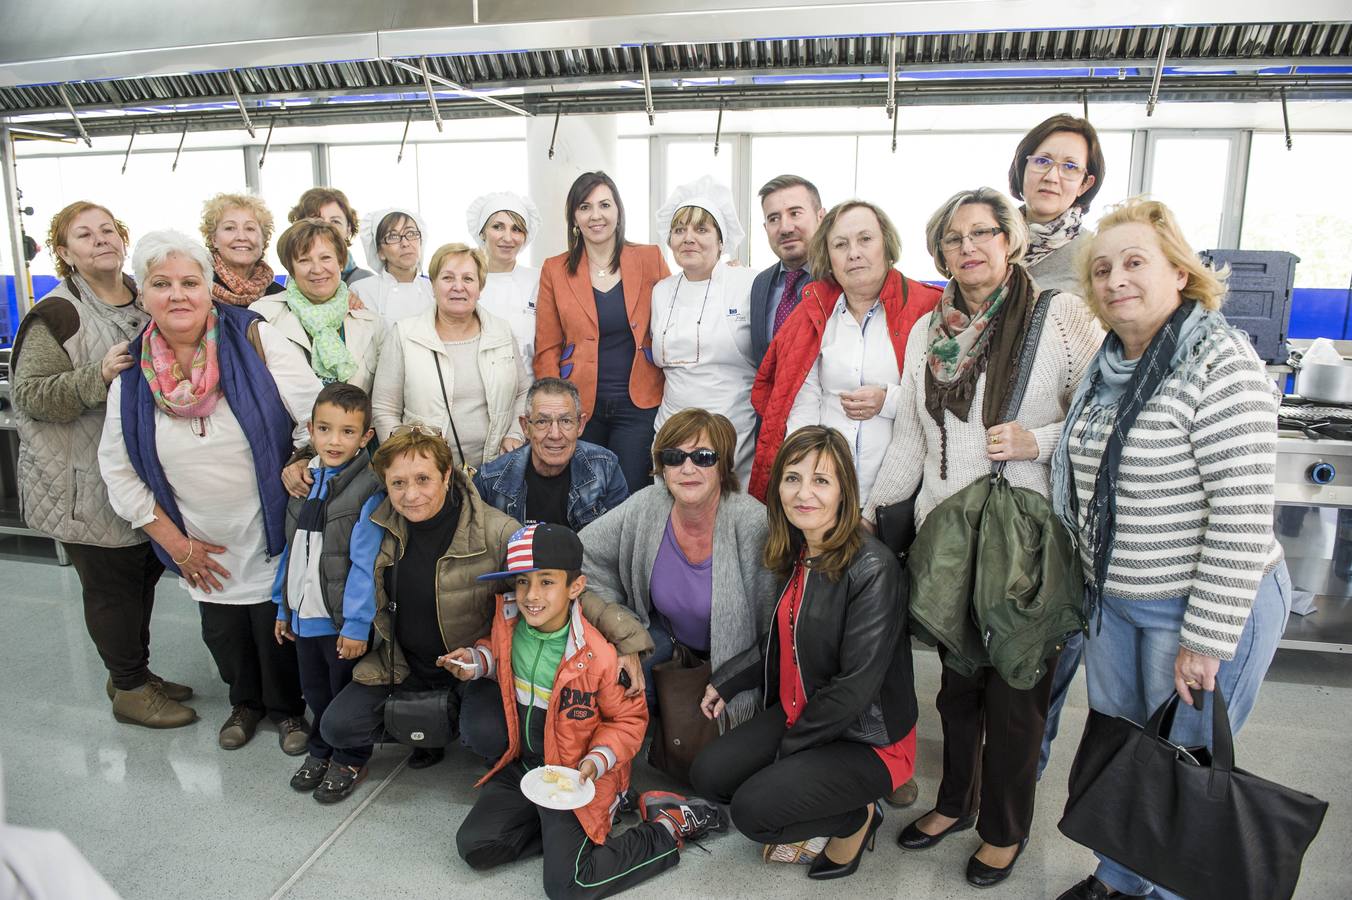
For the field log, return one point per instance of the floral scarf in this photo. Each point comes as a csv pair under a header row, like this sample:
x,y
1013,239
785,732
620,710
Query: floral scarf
x,y
230,288
1044,240
192,396
330,359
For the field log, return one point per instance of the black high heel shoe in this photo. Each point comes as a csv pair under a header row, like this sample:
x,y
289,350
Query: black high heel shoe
x,y
824,868
983,876
912,838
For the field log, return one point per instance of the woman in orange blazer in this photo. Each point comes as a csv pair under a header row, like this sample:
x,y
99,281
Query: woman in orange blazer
x,y
591,325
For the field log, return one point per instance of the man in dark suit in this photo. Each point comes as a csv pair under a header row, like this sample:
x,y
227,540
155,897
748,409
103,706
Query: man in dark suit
x,y
793,210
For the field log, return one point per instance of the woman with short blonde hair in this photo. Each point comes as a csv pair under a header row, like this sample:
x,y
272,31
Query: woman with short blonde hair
x,y
1165,470
237,229
455,367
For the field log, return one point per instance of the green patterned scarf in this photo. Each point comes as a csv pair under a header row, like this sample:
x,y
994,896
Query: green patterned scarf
x,y
330,359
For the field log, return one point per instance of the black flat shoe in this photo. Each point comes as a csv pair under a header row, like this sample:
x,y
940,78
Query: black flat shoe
x,y
1089,889
912,838
421,759
983,876
824,868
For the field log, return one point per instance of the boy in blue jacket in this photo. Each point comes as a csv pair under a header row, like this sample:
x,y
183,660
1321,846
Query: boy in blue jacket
x,y
325,589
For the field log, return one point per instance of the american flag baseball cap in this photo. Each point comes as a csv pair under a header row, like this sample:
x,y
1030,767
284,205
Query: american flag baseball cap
x,y
540,546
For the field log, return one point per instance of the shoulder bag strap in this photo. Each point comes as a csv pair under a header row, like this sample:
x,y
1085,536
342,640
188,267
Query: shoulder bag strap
x,y
393,603
1027,357
441,379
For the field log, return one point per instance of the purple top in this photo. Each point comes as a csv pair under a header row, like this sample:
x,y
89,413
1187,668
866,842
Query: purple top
x,y
683,592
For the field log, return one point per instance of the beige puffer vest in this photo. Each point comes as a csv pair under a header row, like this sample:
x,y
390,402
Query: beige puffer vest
x,y
61,491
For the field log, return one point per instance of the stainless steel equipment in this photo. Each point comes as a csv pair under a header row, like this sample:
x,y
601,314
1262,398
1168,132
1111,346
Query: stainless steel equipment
x,y
1324,383
1313,520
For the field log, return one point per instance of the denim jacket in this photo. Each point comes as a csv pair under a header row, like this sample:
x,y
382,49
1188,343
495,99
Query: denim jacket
x,y
597,485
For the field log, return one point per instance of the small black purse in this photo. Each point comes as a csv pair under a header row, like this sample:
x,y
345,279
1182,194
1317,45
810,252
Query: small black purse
x,y
414,718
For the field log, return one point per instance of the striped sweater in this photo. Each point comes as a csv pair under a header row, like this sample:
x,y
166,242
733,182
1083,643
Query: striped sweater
x,y
1194,493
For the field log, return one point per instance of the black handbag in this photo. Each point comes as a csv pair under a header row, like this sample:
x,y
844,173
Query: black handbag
x,y
414,718
1197,826
896,525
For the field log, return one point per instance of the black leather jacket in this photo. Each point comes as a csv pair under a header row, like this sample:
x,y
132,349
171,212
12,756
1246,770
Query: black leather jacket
x,y
853,656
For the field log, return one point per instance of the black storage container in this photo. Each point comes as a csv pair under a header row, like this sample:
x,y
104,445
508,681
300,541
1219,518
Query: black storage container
x,y
1259,298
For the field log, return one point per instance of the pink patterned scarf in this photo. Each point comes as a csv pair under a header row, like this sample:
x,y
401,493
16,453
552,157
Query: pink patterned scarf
x,y
193,396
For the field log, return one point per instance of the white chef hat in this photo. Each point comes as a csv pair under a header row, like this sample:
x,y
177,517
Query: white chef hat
x,y
482,209
714,198
371,221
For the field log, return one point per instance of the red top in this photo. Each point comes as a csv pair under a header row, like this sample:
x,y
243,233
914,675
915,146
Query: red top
x,y
898,757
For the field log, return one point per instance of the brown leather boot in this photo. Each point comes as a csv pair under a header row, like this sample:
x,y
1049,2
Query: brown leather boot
x,y
151,707
172,689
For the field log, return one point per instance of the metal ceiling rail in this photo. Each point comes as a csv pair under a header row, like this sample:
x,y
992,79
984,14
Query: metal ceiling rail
x,y
1255,45
744,96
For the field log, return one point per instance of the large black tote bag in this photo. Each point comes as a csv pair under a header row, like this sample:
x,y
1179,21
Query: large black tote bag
x,y
1185,819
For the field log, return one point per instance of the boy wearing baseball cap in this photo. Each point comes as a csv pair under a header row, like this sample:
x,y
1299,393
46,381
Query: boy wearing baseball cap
x,y
565,706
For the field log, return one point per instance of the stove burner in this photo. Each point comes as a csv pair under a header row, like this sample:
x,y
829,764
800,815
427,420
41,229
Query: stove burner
x,y
1335,428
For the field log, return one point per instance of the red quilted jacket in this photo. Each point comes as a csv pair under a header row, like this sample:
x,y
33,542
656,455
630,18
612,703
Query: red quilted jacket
x,y
794,351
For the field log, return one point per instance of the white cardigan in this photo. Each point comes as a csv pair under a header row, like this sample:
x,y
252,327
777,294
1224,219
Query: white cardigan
x,y
407,389
363,333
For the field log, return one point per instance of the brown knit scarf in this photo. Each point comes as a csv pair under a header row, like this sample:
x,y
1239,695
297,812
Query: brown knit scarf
x,y
230,288
999,356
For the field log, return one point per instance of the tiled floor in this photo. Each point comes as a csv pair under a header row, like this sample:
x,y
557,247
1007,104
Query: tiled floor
x,y
167,814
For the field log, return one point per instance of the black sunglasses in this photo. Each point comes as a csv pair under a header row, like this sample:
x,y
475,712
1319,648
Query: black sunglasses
x,y
703,457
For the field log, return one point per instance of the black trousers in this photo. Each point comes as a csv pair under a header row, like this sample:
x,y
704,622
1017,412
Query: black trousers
x,y
822,791
627,431
262,675
504,826
118,584
356,716
322,676
992,738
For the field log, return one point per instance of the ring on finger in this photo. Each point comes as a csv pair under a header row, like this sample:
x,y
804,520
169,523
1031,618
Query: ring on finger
x,y
1192,683
995,439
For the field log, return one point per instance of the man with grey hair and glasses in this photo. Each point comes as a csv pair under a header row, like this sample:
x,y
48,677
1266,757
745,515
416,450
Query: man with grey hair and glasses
x,y
553,477
792,208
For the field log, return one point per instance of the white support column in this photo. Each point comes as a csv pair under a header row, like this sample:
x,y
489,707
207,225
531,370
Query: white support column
x,y
583,144
22,289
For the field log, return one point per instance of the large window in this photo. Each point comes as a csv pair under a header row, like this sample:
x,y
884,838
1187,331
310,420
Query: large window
x,y
634,181
148,197
1315,224
828,161
451,175
286,174
1190,175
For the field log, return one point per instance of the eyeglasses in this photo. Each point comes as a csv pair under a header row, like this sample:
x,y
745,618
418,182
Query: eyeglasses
x,y
396,237
544,423
703,457
1071,171
978,235
417,428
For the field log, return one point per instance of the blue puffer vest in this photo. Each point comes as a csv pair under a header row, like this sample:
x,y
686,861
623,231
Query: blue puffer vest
x,y
254,399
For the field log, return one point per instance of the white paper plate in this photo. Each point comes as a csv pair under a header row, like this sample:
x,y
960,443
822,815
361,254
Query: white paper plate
x,y
549,795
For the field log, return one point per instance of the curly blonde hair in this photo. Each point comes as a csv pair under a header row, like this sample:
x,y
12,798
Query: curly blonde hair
x,y
216,207
61,222
1206,286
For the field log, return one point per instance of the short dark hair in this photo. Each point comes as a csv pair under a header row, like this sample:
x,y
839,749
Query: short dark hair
x,y
1042,131
301,237
781,182
559,387
315,199
582,187
348,398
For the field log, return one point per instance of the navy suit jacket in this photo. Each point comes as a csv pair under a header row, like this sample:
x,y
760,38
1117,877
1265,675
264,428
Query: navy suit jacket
x,y
760,310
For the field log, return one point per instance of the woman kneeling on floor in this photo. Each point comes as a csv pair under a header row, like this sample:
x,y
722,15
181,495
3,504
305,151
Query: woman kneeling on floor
x,y
837,730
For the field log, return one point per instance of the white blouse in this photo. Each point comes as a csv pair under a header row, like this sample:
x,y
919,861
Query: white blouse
x,y
511,296
853,354
394,299
702,342
210,467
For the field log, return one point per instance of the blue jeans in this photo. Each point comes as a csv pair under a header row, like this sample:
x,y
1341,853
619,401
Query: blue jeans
x,y
627,431
1066,667
1130,667
663,648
